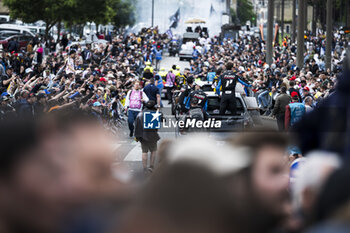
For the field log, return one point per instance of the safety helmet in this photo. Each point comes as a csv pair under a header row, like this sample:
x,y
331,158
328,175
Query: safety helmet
x,y
148,63
178,67
162,69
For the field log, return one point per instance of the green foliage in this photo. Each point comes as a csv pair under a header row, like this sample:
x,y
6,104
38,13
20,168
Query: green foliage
x,y
245,11
125,14
88,11
118,12
50,11
233,15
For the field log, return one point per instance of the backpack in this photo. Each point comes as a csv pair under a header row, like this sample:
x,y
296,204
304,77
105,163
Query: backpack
x,y
196,113
134,101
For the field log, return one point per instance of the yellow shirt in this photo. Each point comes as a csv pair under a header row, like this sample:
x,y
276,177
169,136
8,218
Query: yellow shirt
x,y
177,73
149,67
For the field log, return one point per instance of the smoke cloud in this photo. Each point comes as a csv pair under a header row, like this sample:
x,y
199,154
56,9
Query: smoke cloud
x,y
163,9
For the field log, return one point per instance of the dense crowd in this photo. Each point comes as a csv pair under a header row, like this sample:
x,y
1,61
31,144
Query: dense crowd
x,y
96,76
58,166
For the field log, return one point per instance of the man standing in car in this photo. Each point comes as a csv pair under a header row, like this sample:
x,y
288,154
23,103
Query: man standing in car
x,y
227,82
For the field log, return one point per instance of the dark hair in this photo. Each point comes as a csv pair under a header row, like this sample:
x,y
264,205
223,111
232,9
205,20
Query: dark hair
x,y
190,80
257,140
17,137
334,195
72,52
219,71
184,205
229,65
284,89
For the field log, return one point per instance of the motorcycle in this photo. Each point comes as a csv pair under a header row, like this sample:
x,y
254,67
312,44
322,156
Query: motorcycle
x,y
173,48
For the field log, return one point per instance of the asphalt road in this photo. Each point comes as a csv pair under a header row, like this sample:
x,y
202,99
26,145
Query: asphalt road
x,y
128,151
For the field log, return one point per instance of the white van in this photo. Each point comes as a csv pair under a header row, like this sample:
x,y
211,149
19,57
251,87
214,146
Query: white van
x,y
16,29
35,29
5,18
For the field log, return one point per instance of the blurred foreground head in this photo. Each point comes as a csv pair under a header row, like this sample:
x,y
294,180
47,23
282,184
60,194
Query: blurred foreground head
x,y
313,172
268,172
50,166
201,186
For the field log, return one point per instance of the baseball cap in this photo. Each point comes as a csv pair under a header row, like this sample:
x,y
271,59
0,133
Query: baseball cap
x,y
293,150
4,98
294,94
97,104
28,70
306,89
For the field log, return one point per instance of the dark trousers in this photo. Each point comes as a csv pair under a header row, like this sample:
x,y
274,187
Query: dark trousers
x,y
280,122
169,94
131,119
228,102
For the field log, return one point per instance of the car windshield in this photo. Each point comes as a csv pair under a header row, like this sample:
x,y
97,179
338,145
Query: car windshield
x,y
33,30
207,88
214,106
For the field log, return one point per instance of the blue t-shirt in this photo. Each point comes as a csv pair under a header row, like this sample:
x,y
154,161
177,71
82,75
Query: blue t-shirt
x,y
151,91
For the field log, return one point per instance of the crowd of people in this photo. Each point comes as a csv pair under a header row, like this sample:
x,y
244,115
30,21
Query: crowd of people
x,y
59,171
98,77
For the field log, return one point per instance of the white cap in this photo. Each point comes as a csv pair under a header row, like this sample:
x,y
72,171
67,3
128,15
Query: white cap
x,y
221,158
28,70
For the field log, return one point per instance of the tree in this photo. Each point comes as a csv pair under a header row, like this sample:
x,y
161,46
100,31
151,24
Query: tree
x,y
118,12
245,12
329,35
72,12
269,47
300,35
50,11
123,13
89,11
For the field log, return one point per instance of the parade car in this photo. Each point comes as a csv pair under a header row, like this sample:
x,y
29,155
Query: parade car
x,y
229,123
189,40
251,102
241,120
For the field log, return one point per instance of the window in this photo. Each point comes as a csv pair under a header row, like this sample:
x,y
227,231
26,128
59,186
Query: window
x,y
25,38
207,88
26,33
33,30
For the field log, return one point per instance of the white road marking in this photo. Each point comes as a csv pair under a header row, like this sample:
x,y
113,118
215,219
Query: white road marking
x,y
135,155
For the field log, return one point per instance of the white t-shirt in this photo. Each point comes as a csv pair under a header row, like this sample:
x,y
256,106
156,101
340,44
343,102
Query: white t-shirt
x,y
70,66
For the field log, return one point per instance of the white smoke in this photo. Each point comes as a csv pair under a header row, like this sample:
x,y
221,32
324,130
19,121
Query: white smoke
x,y
163,9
